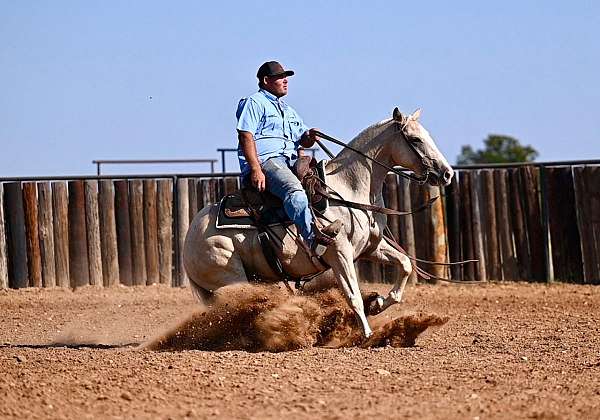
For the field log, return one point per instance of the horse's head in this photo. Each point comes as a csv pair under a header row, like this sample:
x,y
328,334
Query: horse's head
x,y
415,150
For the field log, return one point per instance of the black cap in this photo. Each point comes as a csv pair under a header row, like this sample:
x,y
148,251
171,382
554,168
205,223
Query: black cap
x,y
272,68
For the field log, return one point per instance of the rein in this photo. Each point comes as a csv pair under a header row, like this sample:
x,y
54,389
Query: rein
x,y
412,177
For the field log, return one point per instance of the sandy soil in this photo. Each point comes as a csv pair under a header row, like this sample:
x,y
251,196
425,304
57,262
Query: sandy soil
x,y
507,351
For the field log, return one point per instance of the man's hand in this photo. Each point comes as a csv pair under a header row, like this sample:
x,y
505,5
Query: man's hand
x,y
309,138
257,178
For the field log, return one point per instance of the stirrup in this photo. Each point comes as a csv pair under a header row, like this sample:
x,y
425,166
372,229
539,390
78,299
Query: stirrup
x,y
325,237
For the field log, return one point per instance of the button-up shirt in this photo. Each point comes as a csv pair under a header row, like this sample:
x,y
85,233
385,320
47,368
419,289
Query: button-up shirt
x,y
275,125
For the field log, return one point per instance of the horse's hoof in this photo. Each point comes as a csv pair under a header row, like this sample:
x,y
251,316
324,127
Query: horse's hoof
x,y
374,304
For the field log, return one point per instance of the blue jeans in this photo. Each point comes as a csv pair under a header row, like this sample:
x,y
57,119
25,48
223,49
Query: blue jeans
x,y
281,182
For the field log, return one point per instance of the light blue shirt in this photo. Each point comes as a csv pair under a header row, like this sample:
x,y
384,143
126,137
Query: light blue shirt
x,y
275,125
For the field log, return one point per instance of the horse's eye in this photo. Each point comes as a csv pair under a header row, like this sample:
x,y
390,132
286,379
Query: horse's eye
x,y
415,139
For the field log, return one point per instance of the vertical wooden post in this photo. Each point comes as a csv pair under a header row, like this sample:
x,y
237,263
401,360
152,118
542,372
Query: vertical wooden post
x,y
108,234
509,266
592,182
231,185
453,219
477,229
151,231
78,254
466,222
193,197
136,214
93,233
518,221
184,224
437,238
60,218
407,231
488,206
123,232
34,259
16,240
565,238
390,197
3,250
534,223
46,234
165,230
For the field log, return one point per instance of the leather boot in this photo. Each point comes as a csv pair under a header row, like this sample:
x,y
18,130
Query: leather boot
x,y
325,236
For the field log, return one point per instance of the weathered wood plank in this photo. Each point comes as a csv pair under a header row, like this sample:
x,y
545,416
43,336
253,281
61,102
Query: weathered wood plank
x,y
390,196
421,222
453,231
151,231
60,218
34,258
509,263
437,233
406,227
3,250
123,232
108,234
18,275
136,218
165,230
564,234
478,249
193,197
518,222
592,175
490,229
93,233
46,234
230,185
466,222
585,219
534,226
183,210
78,256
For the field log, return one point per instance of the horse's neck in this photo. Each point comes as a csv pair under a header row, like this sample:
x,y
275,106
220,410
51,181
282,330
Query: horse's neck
x,y
356,177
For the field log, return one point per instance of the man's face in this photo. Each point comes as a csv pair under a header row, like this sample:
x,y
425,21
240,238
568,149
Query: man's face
x,y
277,85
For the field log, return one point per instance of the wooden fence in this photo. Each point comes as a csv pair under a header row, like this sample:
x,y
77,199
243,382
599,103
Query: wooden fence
x,y
533,223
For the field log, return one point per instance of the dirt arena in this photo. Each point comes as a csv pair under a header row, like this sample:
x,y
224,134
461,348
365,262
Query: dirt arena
x,y
507,351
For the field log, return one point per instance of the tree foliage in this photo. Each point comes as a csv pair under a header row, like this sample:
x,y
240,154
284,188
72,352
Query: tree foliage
x,y
498,149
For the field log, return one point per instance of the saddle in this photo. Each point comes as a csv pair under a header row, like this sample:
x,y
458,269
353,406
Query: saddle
x,y
248,207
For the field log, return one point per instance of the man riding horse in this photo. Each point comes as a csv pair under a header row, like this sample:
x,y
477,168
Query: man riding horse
x,y
270,134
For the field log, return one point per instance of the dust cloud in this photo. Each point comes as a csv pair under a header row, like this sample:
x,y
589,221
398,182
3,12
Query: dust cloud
x,y
268,318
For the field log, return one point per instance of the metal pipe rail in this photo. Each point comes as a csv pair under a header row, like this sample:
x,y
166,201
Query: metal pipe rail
x,y
100,162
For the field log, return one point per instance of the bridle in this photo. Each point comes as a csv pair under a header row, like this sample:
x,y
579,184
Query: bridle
x,y
411,141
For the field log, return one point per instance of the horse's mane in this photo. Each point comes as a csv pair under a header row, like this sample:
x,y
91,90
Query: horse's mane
x,y
368,133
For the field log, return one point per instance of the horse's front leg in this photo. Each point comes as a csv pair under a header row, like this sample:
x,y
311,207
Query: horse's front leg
x,y
387,254
341,260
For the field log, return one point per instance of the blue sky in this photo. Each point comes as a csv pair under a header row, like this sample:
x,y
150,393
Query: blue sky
x,y
76,77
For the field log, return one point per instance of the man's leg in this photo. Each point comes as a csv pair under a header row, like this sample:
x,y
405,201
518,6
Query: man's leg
x,y
281,182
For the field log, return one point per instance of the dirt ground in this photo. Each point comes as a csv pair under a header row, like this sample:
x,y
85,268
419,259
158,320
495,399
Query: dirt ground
x,y
507,351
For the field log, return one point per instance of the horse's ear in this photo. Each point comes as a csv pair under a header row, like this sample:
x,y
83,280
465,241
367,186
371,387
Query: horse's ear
x,y
398,115
415,115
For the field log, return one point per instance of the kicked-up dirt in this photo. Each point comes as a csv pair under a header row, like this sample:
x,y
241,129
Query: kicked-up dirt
x,y
506,351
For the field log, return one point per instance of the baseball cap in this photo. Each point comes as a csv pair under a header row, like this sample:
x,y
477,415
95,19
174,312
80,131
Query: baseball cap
x,y
272,68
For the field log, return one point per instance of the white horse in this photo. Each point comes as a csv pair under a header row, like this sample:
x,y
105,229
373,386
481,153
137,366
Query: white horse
x,y
214,258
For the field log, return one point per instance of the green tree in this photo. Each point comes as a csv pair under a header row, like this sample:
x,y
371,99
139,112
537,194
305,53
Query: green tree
x,y
498,149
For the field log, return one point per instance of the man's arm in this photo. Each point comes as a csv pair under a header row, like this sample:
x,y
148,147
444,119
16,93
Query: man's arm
x,y
257,177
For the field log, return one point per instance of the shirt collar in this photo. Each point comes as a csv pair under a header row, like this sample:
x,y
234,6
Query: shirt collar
x,y
271,97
